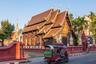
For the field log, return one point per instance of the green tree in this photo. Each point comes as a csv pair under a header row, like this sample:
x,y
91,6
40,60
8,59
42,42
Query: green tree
x,y
78,24
5,30
92,15
73,29
92,28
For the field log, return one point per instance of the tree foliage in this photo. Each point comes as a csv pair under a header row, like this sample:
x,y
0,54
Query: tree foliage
x,y
78,24
92,28
5,30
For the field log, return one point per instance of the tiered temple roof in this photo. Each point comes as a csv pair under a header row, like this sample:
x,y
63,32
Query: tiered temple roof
x,y
48,24
57,26
37,21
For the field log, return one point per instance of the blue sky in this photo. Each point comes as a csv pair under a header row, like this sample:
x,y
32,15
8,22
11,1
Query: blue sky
x,y
21,11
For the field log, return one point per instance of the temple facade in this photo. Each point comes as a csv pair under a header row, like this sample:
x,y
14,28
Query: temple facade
x,y
49,27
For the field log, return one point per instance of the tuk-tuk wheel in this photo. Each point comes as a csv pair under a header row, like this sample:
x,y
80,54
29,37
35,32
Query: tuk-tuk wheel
x,y
48,62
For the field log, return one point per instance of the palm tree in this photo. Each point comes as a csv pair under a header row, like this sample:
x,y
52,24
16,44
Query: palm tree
x,y
78,25
92,28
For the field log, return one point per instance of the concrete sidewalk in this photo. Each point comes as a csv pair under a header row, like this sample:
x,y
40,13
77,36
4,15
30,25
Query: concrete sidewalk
x,y
77,54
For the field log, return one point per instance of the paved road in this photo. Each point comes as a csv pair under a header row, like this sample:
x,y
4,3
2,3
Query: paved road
x,y
85,59
89,58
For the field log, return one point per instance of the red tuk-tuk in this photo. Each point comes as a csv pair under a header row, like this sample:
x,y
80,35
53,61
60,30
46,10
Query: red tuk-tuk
x,y
55,54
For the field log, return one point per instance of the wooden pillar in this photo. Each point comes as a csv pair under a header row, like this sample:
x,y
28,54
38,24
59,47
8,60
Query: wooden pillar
x,y
33,41
40,38
23,39
34,38
29,39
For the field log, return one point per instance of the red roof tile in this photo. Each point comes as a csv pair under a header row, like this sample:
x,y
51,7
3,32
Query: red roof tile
x,y
52,33
60,19
58,22
40,17
34,27
51,20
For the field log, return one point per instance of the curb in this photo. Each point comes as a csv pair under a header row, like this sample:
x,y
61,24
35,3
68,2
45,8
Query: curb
x,y
76,54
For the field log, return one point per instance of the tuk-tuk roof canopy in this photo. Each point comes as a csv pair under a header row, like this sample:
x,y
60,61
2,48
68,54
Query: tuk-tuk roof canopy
x,y
56,46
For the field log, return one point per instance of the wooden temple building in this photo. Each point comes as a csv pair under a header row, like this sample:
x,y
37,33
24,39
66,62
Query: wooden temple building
x,y
49,27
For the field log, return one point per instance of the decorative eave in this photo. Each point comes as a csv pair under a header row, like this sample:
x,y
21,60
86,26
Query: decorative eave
x,y
34,27
52,33
40,17
50,22
37,21
58,25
